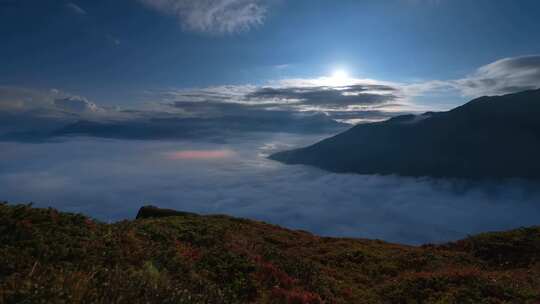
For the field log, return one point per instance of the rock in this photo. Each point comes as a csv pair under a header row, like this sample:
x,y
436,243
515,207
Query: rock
x,y
156,212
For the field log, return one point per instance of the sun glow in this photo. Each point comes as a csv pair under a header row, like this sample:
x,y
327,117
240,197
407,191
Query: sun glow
x,y
339,77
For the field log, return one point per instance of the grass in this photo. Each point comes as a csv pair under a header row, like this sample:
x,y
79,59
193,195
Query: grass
x,y
53,257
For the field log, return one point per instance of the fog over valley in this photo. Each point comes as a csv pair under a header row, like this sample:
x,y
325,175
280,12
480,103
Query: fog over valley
x,y
110,179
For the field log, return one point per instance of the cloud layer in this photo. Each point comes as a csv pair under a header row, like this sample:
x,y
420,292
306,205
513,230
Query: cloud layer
x,y
325,96
213,16
236,179
288,105
354,100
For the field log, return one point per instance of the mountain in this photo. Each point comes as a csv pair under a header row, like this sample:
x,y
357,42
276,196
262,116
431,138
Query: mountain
x,y
178,257
489,137
44,126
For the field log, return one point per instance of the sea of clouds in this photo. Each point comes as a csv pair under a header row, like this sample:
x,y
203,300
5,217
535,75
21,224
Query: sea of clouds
x,y
111,179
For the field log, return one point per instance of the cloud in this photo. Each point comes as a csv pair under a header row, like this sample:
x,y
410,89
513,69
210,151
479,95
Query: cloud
x,y
221,112
285,105
75,104
13,99
75,8
33,115
320,95
503,76
53,103
222,128
307,106
120,176
282,66
36,115
325,96
213,16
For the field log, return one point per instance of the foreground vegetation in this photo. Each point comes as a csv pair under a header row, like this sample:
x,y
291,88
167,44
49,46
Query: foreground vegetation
x,y
52,257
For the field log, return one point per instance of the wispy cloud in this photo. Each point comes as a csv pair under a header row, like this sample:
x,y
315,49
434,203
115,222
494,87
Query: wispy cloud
x,y
75,104
503,76
282,66
75,8
52,103
213,16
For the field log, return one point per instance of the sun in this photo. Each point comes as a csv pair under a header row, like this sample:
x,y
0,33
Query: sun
x,y
340,75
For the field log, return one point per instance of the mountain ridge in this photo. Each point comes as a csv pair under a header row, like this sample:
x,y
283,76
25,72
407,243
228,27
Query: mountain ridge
x,y
488,137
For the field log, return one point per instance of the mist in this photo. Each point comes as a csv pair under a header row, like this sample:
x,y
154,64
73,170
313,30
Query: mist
x,y
110,179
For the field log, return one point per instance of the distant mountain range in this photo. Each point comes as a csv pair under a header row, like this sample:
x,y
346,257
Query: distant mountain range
x,y
41,127
489,137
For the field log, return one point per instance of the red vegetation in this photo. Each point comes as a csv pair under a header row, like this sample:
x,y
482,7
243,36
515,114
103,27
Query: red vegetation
x,y
52,257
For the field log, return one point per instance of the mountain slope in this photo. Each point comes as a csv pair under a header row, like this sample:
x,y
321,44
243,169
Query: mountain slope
x,y
53,257
489,137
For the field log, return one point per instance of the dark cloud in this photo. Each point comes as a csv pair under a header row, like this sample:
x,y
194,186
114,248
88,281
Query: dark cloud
x,y
283,113
220,108
350,103
331,97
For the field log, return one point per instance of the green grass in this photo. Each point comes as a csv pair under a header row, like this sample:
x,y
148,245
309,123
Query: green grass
x,y
52,257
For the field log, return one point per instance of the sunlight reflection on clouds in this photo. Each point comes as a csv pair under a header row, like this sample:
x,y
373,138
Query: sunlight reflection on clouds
x,y
199,154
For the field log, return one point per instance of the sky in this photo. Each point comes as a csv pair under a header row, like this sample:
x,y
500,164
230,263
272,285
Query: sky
x,y
124,52
108,105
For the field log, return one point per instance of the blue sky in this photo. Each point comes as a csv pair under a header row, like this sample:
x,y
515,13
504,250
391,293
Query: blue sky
x,y
122,52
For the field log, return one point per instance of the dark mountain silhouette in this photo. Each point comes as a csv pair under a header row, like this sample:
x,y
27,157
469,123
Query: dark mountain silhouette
x,y
47,126
489,137
197,128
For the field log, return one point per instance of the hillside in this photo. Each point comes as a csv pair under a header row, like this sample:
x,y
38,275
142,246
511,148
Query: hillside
x,y
53,257
489,137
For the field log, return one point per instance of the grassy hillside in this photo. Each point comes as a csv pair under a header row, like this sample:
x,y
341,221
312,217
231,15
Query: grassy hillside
x,y
53,257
